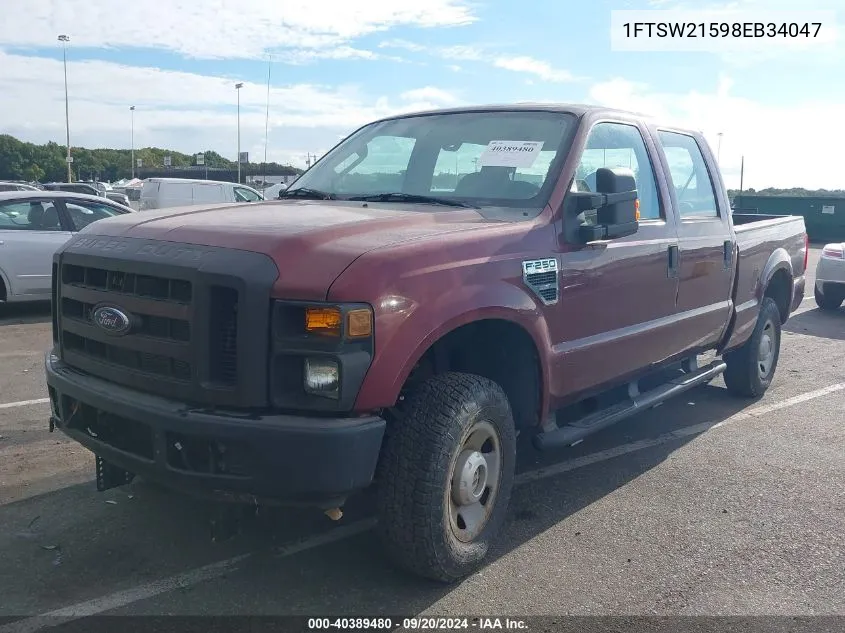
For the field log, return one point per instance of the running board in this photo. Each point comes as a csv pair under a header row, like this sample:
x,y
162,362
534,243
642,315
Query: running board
x,y
578,430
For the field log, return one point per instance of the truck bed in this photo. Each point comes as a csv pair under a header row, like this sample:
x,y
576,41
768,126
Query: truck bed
x,y
761,242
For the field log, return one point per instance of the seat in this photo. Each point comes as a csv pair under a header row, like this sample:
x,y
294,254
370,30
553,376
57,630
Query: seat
x,y
490,182
50,219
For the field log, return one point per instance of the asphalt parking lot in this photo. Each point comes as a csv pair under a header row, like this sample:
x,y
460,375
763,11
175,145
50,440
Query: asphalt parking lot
x,y
706,505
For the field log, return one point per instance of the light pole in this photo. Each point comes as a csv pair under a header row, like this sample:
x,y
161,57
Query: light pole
x,y
719,148
238,87
64,39
132,139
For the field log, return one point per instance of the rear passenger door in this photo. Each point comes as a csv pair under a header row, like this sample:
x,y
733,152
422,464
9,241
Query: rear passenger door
x,y
704,237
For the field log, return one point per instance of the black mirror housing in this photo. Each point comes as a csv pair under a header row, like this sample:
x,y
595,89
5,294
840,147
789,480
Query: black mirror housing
x,y
616,205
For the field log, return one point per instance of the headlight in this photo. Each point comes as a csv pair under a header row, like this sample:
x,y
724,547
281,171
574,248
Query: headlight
x,y
320,354
328,321
322,377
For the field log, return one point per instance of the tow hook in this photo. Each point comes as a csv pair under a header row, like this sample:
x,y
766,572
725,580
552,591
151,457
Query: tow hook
x,y
334,514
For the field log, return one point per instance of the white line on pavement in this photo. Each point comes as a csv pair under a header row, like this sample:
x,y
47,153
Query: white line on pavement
x,y
215,570
23,403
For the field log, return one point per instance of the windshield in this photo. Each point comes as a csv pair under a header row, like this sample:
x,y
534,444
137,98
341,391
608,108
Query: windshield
x,y
479,158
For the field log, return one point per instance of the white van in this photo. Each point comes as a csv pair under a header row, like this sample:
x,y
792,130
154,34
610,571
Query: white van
x,y
162,193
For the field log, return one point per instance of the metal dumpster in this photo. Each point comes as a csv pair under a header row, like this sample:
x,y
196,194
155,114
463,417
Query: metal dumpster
x,y
824,217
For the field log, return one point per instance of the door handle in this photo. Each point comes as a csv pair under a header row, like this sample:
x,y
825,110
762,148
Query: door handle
x,y
728,247
674,260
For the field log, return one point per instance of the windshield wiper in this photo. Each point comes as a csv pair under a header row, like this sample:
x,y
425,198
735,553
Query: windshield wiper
x,y
411,197
305,192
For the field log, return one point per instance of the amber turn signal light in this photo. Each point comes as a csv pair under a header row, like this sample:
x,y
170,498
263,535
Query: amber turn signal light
x,y
359,323
637,208
325,321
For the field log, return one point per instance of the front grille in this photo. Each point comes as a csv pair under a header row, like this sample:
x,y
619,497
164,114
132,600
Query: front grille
x,y
223,335
148,325
131,284
198,318
130,359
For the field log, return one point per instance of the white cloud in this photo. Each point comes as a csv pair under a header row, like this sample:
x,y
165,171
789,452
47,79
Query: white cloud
x,y
225,29
432,94
784,146
182,111
460,52
529,65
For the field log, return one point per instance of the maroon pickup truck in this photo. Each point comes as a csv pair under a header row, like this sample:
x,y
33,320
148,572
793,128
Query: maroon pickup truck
x,y
435,285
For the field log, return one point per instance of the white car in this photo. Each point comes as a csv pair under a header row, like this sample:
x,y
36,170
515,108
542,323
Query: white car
x,y
33,224
272,192
165,193
830,277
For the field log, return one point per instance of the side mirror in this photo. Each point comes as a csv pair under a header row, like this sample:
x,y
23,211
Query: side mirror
x,y
615,204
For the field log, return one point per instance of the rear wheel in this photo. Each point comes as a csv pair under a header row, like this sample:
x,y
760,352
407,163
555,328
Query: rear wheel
x,y
446,476
751,368
830,297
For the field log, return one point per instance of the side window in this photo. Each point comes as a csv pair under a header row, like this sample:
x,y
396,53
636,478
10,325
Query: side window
x,y
84,213
380,169
616,145
245,195
29,216
694,190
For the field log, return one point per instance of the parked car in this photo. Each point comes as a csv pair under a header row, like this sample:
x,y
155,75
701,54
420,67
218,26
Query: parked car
x,y
119,197
33,224
274,191
830,277
16,186
162,193
382,335
74,187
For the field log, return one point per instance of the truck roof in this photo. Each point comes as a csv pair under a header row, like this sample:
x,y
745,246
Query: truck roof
x,y
577,109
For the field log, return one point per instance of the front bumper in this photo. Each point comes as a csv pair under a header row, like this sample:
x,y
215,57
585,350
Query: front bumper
x,y
230,455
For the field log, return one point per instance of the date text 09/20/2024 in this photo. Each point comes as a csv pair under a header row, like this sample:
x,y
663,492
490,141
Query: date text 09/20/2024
x,y
417,624
722,29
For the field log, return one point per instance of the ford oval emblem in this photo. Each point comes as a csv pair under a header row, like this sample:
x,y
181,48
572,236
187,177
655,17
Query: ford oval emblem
x,y
111,320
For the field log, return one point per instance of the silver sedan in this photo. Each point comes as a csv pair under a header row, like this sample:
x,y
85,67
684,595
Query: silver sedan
x,y
33,224
830,277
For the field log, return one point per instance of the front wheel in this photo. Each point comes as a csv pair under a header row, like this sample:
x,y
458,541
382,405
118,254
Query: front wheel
x,y
829,297
751,367
446,476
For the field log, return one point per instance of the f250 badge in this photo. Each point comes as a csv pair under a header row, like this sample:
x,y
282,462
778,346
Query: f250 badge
x,y
111,320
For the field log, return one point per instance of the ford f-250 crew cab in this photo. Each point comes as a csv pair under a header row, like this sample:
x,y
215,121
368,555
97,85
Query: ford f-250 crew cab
x,y
434,285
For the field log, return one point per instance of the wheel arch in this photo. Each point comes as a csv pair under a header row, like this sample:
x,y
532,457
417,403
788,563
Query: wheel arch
x,y
489,322
776,281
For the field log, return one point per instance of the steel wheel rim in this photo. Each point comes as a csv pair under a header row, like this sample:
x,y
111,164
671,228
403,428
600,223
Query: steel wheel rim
x,y
766,350
474,480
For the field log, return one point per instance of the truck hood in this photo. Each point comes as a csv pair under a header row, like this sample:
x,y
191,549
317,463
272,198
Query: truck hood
x,y
311,242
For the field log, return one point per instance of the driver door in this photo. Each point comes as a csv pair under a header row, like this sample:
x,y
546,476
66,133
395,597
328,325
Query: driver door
x,y
617,305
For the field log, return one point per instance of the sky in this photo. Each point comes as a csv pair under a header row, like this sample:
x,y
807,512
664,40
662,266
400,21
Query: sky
x,y
335,65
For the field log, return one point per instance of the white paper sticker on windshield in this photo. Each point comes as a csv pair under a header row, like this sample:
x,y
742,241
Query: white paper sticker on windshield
x,y
511,153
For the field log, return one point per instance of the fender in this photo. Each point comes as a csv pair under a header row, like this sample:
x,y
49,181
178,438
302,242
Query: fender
x,y
402,337
778,260
741,326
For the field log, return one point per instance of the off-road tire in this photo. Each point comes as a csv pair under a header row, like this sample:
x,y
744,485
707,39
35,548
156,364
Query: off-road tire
x,y
829,298
414,475
744,376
